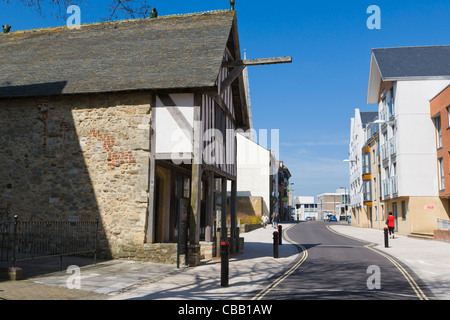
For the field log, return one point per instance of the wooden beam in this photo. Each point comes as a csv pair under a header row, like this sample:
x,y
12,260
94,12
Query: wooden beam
x,y
230,78
257,62
150,232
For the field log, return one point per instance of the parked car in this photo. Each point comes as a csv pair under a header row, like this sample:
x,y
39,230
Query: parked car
x,y
333,218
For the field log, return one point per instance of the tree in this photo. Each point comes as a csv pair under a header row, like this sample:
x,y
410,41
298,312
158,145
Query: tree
x,y
117,8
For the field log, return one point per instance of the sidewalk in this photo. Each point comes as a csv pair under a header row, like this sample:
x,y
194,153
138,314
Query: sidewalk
x,y
119,280
248,272
429,259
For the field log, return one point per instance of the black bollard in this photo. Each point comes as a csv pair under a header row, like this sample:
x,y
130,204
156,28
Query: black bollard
x,y
224,259
280,234
275,244
386,238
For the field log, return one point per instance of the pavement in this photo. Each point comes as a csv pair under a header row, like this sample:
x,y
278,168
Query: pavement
x,y
119,280
249,272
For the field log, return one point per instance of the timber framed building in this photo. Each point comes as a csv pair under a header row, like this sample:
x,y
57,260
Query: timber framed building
x,y
129,121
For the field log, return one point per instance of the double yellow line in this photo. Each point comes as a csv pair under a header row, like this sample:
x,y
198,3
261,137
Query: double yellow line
x,y
270,287
420,294
405,273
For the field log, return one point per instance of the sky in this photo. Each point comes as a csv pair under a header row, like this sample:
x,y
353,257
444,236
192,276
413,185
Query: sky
x,y
311,100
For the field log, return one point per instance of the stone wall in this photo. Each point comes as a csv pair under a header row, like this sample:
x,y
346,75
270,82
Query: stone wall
x,y
79,155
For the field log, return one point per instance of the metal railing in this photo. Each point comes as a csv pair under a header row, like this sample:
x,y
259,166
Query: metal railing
x,y
443,224
392,147
28,240
386,191
385,152
394,188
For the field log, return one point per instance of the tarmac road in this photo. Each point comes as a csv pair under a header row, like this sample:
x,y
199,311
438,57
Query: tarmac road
x,y
336,267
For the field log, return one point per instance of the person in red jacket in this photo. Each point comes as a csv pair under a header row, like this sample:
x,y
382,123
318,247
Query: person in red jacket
x,y
391,224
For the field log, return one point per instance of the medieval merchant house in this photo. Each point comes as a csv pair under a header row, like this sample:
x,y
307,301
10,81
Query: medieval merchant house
x,y
112,120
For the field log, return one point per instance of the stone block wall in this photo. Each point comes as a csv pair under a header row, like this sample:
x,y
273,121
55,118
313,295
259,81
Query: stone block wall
x,y
78,155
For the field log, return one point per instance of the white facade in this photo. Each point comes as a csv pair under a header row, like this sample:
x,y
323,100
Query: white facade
x,y
407,140
306,207
355,157
253,171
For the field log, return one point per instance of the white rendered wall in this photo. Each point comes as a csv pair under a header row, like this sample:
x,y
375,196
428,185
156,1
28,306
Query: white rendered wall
x,y
253,170
416,139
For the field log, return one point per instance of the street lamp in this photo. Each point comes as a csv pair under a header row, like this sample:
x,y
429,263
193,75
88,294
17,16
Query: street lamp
x,y
349,160
384,121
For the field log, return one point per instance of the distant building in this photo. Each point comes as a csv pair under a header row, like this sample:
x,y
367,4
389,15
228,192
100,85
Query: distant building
x,y
304,207
283,192
333,203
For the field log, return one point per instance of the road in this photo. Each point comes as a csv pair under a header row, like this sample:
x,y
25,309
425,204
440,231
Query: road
x,y
335,267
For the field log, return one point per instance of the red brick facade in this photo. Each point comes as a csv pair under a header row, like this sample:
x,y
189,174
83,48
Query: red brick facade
x,y
440,107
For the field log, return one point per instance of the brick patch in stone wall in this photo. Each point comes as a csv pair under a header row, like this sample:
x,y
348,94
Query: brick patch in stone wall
x,y
114,158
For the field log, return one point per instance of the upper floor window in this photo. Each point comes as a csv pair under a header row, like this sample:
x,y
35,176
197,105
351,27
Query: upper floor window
x,y
448,116
437,123
441,173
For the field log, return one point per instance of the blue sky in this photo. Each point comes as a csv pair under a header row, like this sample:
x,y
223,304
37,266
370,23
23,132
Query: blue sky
x,y
311,100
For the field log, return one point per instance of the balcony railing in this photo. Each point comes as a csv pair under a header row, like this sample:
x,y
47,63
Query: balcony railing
x,y
394,189
386,187
384,152
383,114
391,108
392,147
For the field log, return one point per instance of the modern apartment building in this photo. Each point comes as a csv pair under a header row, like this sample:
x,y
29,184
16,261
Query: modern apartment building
x,y
358,133
402,81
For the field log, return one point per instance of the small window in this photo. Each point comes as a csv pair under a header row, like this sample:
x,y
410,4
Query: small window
x,y
448,117
403,209
441,173
437,123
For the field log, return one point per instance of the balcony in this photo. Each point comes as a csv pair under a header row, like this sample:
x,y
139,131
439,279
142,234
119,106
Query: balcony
x,y
386,185
392,147
391,109
394,189
384,152
382,115
367,192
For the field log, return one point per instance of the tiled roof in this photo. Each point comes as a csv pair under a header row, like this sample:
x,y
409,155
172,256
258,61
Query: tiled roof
x,y
413,62
172,52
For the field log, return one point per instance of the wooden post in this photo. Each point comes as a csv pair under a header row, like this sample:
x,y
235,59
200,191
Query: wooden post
x,y
223,226
210,208
233,215
150,233
194,221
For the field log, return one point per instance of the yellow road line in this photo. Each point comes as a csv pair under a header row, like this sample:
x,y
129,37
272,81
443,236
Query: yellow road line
x,y
405,273
271,286
420,294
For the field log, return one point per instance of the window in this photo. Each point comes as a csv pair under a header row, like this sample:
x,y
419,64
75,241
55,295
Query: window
x,y
437,123
448,116
403,209
441,173
366,163
391,103
367,189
